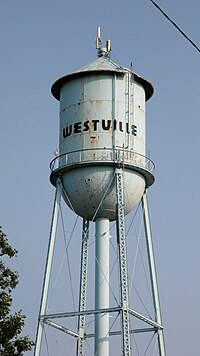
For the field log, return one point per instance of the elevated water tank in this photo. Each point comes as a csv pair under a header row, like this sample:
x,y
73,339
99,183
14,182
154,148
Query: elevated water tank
x,y
102,127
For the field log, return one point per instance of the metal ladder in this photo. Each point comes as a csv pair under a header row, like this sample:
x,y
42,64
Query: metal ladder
x,y
129,106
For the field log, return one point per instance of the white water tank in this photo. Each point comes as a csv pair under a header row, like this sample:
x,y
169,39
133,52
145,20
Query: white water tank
x,y
102,128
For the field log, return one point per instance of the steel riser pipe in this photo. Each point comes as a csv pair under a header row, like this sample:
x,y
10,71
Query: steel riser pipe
x,y
102,286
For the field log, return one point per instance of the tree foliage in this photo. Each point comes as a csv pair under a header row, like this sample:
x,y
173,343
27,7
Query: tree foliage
x,y
11,343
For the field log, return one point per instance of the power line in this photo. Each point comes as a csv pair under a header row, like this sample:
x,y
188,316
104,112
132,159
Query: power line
x,y
176,26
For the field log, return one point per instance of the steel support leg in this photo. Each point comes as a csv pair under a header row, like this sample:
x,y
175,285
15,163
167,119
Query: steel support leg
x,y
83,287
48,267
121,239
152,268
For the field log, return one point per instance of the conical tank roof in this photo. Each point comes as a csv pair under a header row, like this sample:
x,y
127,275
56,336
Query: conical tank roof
x,y
102,64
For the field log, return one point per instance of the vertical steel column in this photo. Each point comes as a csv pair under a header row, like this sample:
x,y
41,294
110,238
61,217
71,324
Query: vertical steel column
x,y
48,267
83,287
102,286
152,268
121,240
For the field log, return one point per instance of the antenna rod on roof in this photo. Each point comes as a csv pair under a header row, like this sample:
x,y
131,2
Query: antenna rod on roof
x,y
102,51
98,38
99,32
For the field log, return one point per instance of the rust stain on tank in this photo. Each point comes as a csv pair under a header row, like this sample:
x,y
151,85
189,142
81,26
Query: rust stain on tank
x,y
94,141
98,103
91,128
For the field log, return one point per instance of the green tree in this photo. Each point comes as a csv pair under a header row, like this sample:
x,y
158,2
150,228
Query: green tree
x,y
11,343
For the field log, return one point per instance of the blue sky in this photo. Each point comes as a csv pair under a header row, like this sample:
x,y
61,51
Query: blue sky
x,y
43,40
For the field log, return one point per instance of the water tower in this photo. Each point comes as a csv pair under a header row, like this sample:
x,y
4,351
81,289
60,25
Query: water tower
x,y
102,173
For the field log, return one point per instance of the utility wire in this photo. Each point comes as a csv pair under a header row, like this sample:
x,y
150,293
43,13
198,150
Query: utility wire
x,y
176,26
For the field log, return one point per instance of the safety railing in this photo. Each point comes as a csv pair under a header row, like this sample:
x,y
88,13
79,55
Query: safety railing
x,y
102,155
